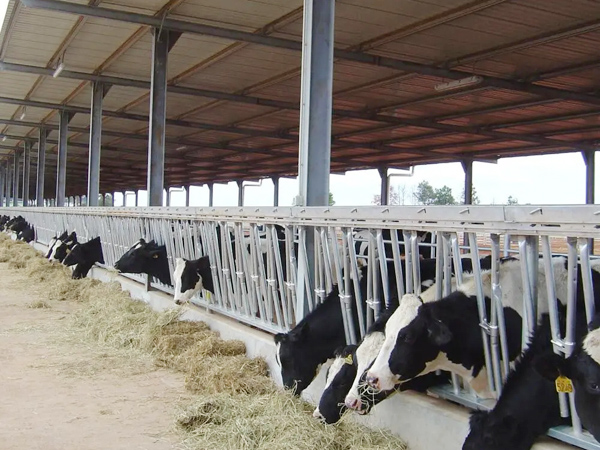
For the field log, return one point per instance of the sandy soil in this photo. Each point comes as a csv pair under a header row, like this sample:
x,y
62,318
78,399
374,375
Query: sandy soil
x,y
57,392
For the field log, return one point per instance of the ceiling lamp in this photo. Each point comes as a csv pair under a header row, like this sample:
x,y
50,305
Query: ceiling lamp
x,y
457,84
22,116
60,67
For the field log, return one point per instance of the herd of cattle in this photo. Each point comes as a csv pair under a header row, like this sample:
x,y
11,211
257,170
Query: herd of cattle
x,y
415,344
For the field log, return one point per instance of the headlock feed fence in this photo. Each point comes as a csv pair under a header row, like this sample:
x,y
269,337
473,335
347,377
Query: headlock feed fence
x,y
260,260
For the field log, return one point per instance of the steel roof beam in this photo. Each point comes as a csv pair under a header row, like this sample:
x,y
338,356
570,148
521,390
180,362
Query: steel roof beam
x,y
271,41
423,123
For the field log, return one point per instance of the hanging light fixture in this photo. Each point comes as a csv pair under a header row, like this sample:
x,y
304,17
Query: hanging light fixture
x,y
457,84
22,116
60,67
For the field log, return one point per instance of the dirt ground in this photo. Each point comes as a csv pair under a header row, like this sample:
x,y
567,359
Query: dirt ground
x,y
58,392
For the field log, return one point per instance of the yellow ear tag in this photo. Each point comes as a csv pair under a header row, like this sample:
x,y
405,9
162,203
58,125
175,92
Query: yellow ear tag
x,y
564,385
348,359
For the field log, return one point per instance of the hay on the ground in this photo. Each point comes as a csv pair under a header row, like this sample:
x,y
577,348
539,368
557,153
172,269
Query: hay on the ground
x,y
232,374
273,421
38,304
240,407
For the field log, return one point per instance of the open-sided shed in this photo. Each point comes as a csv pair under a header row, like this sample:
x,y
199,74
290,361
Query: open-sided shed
x,y
528,72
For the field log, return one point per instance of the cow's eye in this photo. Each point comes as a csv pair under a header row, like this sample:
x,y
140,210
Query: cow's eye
x,y
595,387
409,338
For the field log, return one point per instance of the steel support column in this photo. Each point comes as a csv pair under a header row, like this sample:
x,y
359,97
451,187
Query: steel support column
x,y
9,185
93,189
468,168
162,42
137,201
385,186
16,164
2,183
41,167
275,191
211,194
187,195
240,184
316,101
61,169
26,171
589,156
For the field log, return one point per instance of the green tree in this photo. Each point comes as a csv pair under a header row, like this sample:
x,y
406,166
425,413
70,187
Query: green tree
x,y
443,196
425,194
331,200
512,200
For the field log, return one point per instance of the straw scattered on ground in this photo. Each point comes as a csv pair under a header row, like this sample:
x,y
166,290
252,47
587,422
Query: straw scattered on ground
x,y
236,406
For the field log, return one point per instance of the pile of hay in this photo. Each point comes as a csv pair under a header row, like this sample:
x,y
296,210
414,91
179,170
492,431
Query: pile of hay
x,y
272,421
237,404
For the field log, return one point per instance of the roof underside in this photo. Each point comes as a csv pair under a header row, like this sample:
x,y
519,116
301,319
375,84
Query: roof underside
x,y
538,58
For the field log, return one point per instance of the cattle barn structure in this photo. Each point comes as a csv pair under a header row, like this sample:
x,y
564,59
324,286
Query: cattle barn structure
x,y
99,97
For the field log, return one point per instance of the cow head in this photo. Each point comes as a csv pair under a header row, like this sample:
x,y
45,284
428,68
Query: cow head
x,y
63,248
84,256
146,257
413,337
191,277
296,359
340,376
54,241
27,235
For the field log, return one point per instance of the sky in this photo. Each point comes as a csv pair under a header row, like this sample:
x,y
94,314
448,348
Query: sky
x,y
548,179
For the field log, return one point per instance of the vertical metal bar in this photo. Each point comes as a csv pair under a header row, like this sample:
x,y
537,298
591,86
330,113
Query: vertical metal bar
x,y
17,157
553,313
61,169
585,252
95,149
528,309
26,171
211,192
275,190
497,299
385,186
162,42
400,286
187,195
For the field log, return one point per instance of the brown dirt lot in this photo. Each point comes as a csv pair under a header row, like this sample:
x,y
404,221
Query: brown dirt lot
x,y
58,392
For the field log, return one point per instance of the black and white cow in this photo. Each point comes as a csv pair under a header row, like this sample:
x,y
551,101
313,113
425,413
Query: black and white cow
x,y
345,382
84,256
3,220
311,342
583,368
61,249
54,241
528,406
146,257
16,224
27,235
445,335
190,277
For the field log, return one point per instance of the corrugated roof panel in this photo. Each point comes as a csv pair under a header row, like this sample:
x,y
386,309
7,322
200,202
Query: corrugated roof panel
x,y
119,96
249,14
37,34
55,89
15,85
95,42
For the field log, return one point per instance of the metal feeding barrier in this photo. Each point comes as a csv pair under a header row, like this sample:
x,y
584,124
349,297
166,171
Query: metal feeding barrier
x,y
260,260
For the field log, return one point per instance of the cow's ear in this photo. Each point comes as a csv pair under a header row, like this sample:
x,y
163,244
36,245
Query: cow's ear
x,y
438,332
551,366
